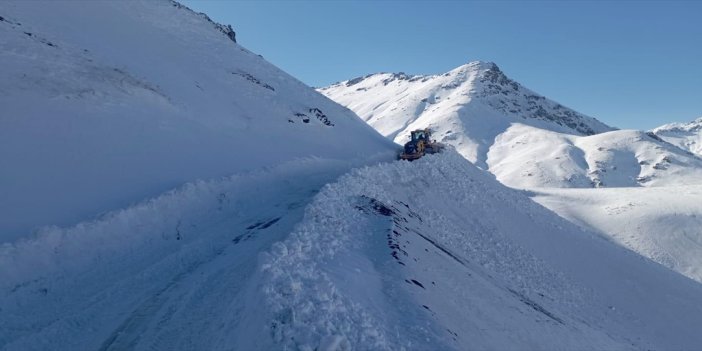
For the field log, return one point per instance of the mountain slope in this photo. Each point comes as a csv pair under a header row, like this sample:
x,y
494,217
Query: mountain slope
x,y
523,138
106,103
293,251
455,273
467,107
687,136
528,157
661,223
380,259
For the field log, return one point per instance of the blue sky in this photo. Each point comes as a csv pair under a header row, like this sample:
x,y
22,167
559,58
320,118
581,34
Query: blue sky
x,y
632,64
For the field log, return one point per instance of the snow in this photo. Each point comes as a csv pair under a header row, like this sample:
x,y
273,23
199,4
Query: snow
x,y
528,157
170,272
392,256
387,259
467,107
173,190
661,223
545,157
650,206
107,103
687,136
523,138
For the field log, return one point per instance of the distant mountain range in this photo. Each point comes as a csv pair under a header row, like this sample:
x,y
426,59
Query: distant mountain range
x,y
525,139
687,136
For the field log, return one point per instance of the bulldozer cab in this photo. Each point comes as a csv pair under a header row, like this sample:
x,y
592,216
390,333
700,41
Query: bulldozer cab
x,y
419,134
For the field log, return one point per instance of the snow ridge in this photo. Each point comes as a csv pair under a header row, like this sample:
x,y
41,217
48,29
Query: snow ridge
x,y
225,29
384,259
496,85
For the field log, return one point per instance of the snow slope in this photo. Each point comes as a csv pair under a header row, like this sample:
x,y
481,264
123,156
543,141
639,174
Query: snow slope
x,y
687,136
467,107
105,103
528,157
433,254
664,224
455,273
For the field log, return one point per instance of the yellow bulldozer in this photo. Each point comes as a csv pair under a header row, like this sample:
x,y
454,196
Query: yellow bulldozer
x,y
420,144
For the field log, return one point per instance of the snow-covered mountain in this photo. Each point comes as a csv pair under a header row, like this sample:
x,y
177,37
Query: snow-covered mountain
x,y
528,157
105,103
687,136
523,138
109,102
467,107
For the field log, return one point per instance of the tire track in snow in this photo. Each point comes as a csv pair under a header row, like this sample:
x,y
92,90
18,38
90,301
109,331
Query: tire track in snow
x,y
147,323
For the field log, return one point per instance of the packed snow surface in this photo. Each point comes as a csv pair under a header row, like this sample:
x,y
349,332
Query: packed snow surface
x,y
107,102
433,254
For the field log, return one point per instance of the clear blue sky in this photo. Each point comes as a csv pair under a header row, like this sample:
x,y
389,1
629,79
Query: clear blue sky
x,y
632,64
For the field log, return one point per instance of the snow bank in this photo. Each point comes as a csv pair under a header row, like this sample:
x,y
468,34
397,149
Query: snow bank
x,y
436,254
166,223
185,259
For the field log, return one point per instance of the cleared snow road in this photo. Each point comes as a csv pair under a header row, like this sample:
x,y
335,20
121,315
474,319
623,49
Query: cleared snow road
x,y
171,273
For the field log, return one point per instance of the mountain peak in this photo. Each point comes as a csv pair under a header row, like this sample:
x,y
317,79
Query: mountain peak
x,y
478,69
468,106
478,66
681,127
